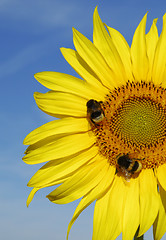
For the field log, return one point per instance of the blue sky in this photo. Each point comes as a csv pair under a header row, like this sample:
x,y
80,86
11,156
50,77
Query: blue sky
x,y
31,34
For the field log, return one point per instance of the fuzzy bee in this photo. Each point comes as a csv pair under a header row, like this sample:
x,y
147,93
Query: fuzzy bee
x,y
94,111
129,165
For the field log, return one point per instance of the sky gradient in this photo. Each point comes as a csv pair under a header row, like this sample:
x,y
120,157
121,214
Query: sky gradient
x,y
31,34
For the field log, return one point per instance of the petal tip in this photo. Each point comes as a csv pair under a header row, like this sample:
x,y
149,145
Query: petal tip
x,y
31,195
96,10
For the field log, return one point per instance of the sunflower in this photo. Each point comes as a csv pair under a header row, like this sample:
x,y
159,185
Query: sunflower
x,y
109,142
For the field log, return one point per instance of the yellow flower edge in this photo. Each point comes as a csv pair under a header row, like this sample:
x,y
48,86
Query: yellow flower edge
x,y
82,156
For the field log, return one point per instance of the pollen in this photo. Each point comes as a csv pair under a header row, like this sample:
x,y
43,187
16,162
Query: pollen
x,y
134,123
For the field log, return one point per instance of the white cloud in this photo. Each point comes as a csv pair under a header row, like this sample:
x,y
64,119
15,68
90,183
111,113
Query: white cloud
x,y
47,13
24,57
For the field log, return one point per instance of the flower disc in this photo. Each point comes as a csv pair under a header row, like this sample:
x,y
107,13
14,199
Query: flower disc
x,y
135,123
140,121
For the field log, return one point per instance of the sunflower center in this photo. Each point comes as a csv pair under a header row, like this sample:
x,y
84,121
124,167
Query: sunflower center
x,y
140,121
134,124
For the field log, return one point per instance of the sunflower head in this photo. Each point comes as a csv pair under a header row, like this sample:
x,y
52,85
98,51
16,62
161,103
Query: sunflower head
x,y
108,140
133,123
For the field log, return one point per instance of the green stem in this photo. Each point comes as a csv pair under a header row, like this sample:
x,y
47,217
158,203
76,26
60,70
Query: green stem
x,y
139,238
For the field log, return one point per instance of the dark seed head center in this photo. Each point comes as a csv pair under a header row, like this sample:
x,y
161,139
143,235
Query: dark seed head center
x,y
139,121
134,123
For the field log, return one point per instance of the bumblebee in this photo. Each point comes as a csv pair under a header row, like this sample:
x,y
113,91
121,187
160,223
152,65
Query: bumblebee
x,y
94,111
128,165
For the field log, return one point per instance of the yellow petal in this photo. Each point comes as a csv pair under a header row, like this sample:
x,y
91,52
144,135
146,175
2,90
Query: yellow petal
x,y
62,82
161,175
149,200
94,194
159,227
59,104
62,147
123,50
80,183
105,45
158,72
163,84
94,59
108,212
139,52
151,42
81,67
100,217
31,195
131,211
60,127
58,169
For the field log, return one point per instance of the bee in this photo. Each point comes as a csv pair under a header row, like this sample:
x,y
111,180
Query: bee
x,y
128,165
94,111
